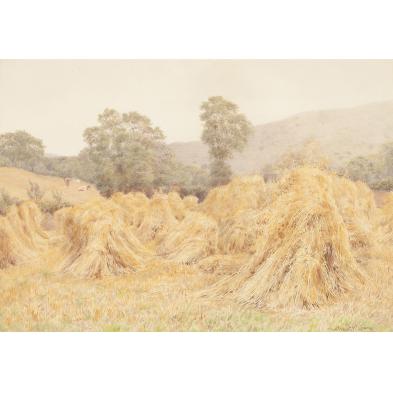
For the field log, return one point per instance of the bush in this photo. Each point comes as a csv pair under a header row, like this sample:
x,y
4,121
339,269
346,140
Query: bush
x,y
383,185
6,200
52,205
35,193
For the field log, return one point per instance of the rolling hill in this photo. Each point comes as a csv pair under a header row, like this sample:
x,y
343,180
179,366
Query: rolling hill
x,y
16,182
342,134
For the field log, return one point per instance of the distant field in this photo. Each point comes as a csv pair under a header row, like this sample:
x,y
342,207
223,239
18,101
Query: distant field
x,y
16,182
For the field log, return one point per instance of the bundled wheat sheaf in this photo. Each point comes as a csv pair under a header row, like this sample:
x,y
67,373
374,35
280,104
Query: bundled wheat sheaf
x,y
155,220
304,241
21,235
315,225
192,240
239,234
131,204
98,241
240,194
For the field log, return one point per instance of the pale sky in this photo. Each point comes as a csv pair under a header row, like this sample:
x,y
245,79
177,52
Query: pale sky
x,y
56,100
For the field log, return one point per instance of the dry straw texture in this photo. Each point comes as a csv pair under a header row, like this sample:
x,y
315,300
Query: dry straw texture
x,y
98,241
309,240
156,220
239,234
190,202
22,238
241,193
304,241
192,240
315,224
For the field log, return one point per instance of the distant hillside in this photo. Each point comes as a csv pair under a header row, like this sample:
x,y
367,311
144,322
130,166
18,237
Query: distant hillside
x,y
16,181
342,134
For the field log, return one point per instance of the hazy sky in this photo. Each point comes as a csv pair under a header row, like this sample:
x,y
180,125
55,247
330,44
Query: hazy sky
x,y
56,100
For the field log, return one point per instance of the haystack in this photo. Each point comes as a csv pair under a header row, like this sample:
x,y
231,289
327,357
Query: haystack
x,y
240,194
59,216
25,220
7,249
22,238
191,240
99,242
304,257
177,205
354,200
223,264
361,216
190,202
386,219
156,220
239,234
132,203
12,250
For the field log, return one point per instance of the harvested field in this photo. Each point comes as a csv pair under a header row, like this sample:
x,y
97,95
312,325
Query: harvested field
x,y
239,234
21,237
98,241
192,240
155,220
304,257
297,254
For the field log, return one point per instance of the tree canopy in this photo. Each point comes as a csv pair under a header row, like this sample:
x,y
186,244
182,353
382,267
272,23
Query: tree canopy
x,y
128,153
21,150
225,130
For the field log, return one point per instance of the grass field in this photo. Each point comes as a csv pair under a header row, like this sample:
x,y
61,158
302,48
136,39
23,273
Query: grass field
x,y
165,297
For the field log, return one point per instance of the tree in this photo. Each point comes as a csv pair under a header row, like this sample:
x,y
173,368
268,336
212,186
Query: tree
x,y
375,169
386,153
66,166
190,180
220,173
126,151
225,131
21,150
365,169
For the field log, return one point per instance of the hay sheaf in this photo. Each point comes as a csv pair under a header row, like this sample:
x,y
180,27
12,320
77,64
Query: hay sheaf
x,y
191,240
177,205
305,257
223,264
240,194
12,250
131,203
22,238
361,216
239,234
156,220
25,220
98,241
385,229
191,202
386,218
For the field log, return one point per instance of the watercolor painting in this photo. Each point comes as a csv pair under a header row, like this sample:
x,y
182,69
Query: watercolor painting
x,y
196,195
